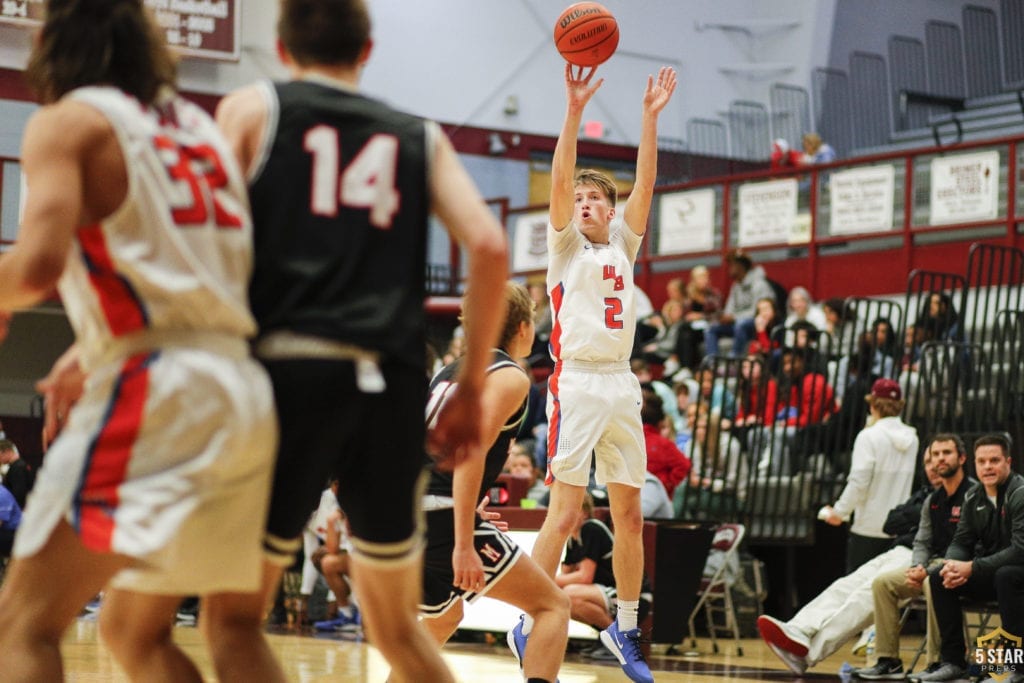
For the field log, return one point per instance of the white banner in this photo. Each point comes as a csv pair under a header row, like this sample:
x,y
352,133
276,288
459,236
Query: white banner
x,y
687,222
965,188
767,212
530,242
862,199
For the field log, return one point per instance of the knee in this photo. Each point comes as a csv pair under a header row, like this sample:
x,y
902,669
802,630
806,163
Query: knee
x,y
563,523
629,521
127,641
1009,580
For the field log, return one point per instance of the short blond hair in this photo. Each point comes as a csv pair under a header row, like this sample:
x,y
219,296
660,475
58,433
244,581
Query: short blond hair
x,y
601,181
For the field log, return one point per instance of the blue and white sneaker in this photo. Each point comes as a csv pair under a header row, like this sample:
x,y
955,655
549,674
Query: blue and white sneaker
x,y
517,641
343,622
626,648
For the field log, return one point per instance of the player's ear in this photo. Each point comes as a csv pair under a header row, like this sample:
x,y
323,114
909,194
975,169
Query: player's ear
x,y
611,213
364,54
283,54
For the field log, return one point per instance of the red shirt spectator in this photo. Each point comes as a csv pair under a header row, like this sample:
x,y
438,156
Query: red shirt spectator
x,y
664,459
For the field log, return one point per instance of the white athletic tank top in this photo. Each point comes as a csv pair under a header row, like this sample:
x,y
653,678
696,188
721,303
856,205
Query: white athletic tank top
x,y
593,308
177,254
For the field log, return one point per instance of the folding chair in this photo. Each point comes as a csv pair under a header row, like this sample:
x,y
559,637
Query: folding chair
x,y
715,593
983,611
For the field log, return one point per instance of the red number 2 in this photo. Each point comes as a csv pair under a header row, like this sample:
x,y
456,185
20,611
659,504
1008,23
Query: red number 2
x,y
612,308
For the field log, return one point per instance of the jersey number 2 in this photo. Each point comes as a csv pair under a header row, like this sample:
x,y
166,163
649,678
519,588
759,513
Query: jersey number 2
x,y
368,182
612,309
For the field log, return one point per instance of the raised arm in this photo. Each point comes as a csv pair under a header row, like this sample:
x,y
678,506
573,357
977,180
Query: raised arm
x,y
657,95
578,91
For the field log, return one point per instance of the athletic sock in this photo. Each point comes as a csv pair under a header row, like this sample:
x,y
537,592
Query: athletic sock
x,y
628,611
527,624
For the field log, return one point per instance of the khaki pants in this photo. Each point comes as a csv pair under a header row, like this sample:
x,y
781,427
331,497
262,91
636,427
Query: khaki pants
x,y
891,593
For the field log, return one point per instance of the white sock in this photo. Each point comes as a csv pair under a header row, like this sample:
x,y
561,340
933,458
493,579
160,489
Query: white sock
x,y
527,624
627,614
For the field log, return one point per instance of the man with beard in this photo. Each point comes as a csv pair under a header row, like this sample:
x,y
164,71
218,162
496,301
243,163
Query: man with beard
x,y
939,517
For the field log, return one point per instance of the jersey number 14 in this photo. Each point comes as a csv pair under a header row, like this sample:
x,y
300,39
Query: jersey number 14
x,y
368,182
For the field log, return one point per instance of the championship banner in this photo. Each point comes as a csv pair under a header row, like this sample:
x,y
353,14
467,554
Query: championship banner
x,y
196,28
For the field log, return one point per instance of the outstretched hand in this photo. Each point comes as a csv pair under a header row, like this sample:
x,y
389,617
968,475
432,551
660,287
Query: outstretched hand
x,y
578,89
659,93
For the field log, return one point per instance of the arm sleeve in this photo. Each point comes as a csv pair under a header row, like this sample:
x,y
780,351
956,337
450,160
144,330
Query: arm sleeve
x,y
1013,554
922,549
860,477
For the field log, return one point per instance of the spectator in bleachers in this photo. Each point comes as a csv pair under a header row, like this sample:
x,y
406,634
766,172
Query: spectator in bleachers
x,y
664,459
881,475
986,557
844,609
801,307
766,319
718,473
521,464
716,395
703,302
667,325
757,395
539,355
749,284
806,400
18,475
938,319
654,501
782,157
816,151
840,322
686,391
643,373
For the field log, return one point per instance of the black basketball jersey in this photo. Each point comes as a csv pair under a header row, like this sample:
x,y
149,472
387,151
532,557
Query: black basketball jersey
x,y
340,204
440,483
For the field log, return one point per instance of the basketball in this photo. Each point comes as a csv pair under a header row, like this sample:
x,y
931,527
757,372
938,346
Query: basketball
x,y
586,34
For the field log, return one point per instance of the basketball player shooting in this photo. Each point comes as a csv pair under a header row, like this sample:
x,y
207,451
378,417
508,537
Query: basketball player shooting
x,y
593,398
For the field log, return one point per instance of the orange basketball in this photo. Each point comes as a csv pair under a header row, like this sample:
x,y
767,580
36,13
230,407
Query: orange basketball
x,y
586,34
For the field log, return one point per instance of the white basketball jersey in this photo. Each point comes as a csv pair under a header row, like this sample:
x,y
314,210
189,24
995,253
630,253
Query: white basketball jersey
x,y
592,299
177,254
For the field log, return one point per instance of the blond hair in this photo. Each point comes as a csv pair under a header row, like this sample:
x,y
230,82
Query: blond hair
x,y
601,181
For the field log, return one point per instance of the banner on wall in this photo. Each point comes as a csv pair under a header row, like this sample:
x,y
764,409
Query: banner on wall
x,y
530,242
686,222
862,199
197,28
767,212
965,188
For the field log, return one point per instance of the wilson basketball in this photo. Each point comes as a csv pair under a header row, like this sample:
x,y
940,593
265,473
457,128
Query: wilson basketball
x,y
586,34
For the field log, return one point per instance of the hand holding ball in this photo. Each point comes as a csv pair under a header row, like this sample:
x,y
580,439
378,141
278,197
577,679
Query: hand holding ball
x,y
586,34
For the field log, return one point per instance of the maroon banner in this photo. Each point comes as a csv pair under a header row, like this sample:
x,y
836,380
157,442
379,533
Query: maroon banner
x,y
196,28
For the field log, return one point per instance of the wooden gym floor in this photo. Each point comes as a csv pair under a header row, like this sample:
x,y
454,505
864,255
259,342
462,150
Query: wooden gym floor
x,y
309,658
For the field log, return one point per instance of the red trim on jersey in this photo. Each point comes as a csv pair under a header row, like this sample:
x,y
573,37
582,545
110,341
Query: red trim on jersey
x,y
555,421
121,307
556,329
110,454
